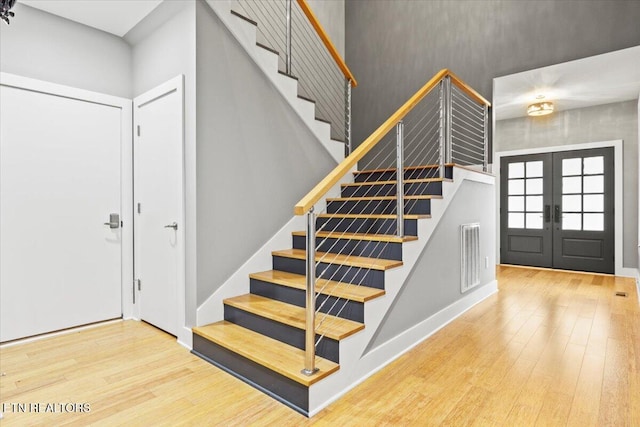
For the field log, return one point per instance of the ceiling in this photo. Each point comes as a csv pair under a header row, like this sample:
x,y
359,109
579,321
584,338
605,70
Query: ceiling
x,y
113,16
602,79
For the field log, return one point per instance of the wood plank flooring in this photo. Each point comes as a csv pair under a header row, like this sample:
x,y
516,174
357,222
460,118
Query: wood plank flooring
x,y
551,348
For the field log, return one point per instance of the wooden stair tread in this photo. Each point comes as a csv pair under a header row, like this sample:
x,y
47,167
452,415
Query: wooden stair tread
x,y
373,216
406,181
349,260
292,315
364,199
359,293
360,236
407,168
273,354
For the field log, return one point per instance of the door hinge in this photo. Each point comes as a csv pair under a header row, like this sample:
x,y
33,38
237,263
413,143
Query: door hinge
x,y
139,208
133,291
139,283
138,130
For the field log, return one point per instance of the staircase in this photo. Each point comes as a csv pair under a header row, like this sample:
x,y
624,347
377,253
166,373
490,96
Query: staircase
x,y
362,247
262,337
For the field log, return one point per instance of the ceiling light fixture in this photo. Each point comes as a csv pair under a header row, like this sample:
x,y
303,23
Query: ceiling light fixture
x,y
540,108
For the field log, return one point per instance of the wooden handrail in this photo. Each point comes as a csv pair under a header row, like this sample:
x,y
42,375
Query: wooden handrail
x,y
468,89
327,42
303,206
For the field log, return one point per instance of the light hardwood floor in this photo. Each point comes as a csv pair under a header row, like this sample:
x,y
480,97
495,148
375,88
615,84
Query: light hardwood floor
x,y
551,348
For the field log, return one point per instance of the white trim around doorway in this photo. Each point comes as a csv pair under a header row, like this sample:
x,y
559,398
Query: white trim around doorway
x,y
618,180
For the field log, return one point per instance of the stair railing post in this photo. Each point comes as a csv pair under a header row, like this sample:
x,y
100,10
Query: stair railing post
x,y
449,145
444,131
310,326
288,39
400,178
485,161
347,118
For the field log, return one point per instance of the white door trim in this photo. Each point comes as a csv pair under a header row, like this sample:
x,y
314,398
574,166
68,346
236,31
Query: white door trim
x,y
126,165
174,85
618,180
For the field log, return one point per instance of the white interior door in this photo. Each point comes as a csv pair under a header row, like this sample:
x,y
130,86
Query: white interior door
x,y
158,198
59,182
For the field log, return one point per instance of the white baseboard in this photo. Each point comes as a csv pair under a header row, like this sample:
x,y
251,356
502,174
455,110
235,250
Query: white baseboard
x,y
59,333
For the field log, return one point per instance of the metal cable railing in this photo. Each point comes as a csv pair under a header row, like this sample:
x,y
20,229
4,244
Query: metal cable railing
x,y
305,52
432,130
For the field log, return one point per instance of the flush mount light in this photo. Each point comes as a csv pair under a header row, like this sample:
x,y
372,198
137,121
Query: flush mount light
x,y
540,108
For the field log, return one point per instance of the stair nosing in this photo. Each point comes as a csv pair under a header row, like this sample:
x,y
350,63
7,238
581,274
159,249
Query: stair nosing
x,y
291,76
241,16
406,197
373,216
406,168
406,181
270,49
354,262
292,375
359,236
295,322
375,292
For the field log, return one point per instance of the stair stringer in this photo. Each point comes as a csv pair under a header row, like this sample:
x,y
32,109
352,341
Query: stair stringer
x,y
245,33
355,366
212,310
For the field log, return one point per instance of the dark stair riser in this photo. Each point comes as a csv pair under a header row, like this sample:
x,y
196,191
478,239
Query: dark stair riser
x,y
346,309
379,207
327,348
410,189
421,173
339,273
367,225
289,392
364,248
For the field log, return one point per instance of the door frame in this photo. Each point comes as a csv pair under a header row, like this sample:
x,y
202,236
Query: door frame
x,y
618,180
126,171
176,84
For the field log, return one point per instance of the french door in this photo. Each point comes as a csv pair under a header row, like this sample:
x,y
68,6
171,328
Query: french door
x,y
557,210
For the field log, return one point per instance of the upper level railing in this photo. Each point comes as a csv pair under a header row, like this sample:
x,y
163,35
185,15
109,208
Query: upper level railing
x,y
434,128
307,53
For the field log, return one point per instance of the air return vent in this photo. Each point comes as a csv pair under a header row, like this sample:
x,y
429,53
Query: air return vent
x,y
470,262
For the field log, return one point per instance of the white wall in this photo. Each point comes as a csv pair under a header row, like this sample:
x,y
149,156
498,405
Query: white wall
x,y
47,47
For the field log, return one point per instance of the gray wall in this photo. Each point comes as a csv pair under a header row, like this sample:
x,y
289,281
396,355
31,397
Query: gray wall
x,y
592,124
47,47
434,282
255,159
164,46
394,47
331,14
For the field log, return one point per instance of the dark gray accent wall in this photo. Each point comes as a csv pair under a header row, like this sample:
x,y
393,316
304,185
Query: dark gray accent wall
x,y
592,124
394,47
255,157
47,47
434,282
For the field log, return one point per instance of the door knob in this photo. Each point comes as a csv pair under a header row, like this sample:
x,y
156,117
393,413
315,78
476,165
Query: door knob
x,y
114,221
173,225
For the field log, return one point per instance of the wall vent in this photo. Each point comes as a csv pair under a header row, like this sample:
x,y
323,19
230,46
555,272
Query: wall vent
x,y
470,256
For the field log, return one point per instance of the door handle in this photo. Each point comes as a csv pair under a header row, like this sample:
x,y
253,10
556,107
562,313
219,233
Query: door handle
x,y
173,225
556,213
114,221
547,213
